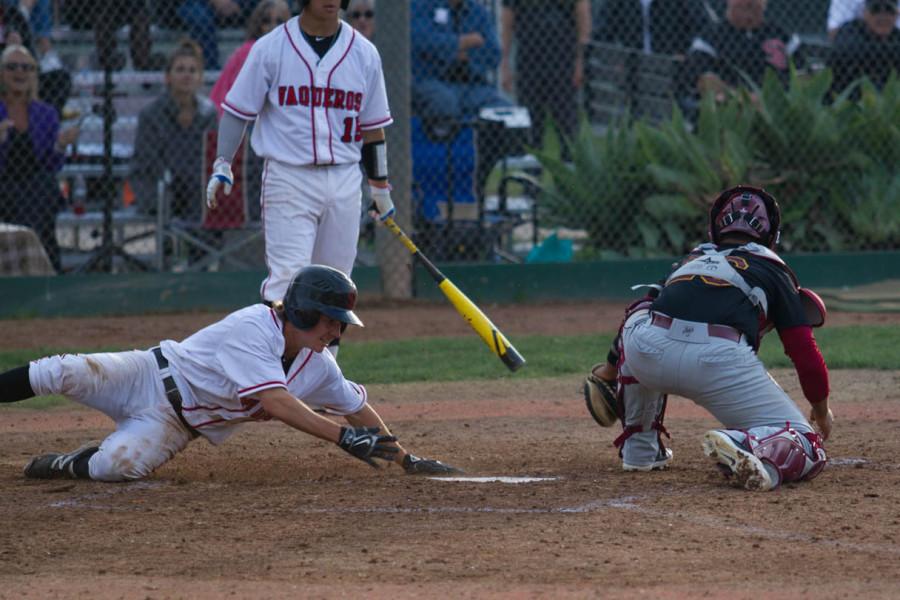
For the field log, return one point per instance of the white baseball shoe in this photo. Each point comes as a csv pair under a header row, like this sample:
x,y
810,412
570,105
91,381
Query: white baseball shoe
x,y
660,464
736,462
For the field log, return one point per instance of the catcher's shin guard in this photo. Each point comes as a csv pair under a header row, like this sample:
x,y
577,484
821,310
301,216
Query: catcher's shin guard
x,y
764,463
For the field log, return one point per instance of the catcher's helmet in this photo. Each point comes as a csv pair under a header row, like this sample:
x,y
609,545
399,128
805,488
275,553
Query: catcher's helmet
x,y
748,210
316,290
344,4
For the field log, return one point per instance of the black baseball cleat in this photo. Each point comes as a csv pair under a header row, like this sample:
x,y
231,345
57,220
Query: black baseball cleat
x,y
58,466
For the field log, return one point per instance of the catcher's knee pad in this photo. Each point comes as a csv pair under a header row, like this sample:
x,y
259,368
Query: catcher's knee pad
x,y
786,452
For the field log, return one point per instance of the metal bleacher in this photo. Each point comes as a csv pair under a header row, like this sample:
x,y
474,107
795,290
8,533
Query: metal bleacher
x,y
79,226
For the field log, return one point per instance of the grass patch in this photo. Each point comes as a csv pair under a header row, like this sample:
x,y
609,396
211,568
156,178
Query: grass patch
x,y
464,358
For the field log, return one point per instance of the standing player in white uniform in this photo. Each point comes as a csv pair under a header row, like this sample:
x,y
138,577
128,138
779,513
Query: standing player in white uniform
x,y
315,89
254,365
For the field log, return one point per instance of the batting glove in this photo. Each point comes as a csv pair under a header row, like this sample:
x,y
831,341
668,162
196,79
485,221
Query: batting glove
x,y
365,444
382,204
414,465
221,175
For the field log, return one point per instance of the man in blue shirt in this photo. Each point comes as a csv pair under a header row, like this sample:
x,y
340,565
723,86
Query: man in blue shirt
x,y
454,49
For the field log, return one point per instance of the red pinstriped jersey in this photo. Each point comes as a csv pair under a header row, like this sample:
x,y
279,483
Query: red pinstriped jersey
x,y
310,111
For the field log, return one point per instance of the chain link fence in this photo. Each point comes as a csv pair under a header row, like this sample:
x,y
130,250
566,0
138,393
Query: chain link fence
x,y
525,130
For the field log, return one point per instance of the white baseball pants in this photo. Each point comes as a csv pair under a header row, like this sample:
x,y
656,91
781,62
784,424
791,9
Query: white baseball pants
x,y
310,216
127,387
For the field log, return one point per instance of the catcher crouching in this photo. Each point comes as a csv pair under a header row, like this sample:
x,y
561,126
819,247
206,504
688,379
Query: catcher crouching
x,y
697,335
255,364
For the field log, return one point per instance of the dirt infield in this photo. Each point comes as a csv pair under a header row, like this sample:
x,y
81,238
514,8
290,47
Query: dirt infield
x,y
275,514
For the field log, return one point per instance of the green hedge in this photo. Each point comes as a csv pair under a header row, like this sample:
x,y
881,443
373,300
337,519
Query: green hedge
x,y
642,190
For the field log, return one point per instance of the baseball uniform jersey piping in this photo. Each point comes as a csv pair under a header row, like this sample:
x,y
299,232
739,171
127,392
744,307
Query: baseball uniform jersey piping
x,y
260,387
361,390
300,368
238,113
328,86
312,83
376,124
262,219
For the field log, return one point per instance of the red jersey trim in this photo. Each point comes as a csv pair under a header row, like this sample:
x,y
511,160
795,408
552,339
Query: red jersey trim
x,y
328,85
262,218
312,82
261,386
300,368
377,124
238,113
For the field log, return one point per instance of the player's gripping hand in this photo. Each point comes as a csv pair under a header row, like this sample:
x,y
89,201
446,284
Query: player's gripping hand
x,y
221,175
413,465
365,444
382,205
822,419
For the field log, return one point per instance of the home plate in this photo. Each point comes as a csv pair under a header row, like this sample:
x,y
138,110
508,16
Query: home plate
x,y
495,479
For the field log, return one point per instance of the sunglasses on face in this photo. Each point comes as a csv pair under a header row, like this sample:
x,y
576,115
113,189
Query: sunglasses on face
x,y
884,7
275,22
28,68
356,14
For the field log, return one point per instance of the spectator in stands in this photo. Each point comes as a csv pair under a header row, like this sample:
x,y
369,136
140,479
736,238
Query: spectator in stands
x,y
454,52
105,17
844,11
744,43
31,150
361,16
267,15
869,45
54,82
201,19
661,27
550,41
170,135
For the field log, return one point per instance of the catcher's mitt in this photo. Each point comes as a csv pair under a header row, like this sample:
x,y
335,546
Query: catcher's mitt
x,y
413,465
600,397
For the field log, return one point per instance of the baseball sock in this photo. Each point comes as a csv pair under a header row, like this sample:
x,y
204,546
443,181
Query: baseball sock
x,y
81,465
15,385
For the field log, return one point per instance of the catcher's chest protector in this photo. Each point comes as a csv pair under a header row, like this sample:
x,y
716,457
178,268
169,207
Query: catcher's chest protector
x,y
718,265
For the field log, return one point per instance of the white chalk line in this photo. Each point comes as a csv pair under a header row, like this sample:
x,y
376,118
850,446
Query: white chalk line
x,y
86,500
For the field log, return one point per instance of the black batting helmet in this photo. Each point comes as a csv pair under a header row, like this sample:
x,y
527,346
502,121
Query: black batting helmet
x,y
319,290
344,4
748,210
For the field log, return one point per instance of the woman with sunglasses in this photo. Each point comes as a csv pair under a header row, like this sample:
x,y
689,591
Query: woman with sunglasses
x,y
31,150
267,15
361,15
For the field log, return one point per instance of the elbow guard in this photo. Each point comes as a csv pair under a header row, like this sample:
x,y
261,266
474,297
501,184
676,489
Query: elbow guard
x,y
374,160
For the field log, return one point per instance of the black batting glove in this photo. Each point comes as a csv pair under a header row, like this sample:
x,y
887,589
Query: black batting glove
x,y
413,465
365,444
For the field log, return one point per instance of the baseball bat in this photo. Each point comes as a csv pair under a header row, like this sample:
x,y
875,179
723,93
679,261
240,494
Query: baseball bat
x,y
473,315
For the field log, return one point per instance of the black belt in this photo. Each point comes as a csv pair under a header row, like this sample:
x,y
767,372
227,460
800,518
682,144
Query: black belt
x,y
172,393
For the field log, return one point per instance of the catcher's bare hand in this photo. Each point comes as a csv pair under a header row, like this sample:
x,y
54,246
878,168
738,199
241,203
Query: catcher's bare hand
x,y
365,444
414,465
822,419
